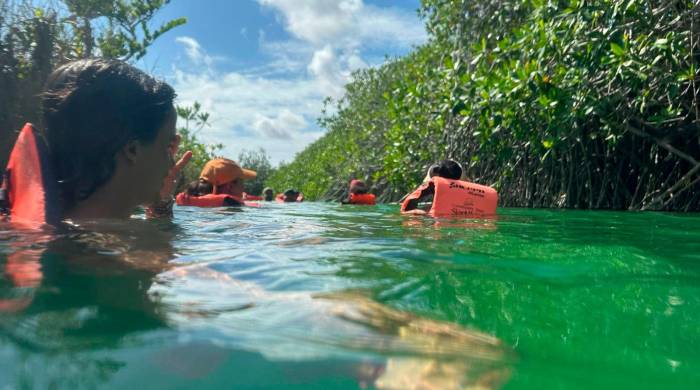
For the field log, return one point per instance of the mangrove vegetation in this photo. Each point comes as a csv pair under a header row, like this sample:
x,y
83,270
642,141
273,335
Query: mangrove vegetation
x,y
557,103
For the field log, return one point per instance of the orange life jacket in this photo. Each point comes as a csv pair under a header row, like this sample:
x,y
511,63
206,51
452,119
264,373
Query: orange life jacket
x,y
29,189
208,200
457,198
29,196
365,199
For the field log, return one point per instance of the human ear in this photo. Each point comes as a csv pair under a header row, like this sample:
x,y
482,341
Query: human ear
x,y
132,150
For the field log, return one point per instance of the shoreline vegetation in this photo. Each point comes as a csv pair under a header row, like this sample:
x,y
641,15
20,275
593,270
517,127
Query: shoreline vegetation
x,y
587,104
563,104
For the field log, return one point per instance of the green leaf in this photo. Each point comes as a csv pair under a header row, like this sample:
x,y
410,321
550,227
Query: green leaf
x,y
617,49
661,43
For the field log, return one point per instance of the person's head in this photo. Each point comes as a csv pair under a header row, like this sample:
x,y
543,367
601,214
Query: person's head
x,y
290,195
358,187
449,169
107,122
268,194
226,176
199,188
432,171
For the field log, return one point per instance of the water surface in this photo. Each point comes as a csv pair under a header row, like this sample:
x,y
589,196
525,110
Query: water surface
x,y
324,296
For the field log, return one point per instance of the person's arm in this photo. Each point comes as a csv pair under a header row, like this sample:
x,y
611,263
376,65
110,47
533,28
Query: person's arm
x,y
164,207
411,203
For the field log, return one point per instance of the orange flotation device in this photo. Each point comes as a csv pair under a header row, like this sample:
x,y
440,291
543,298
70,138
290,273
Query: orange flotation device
x,y
456,198
29,191
212,200
364,199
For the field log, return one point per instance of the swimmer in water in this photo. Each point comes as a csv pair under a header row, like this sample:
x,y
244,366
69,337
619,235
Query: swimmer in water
x,y
289,196
110,131
220,176
268,194
449,169
358,193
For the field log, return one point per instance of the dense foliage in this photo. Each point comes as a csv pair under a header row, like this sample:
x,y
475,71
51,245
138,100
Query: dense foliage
x,y
578,103
34,40
258,161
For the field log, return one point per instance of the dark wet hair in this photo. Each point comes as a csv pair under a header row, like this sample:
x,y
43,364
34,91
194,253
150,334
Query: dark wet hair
x,y
92,108
291,192
199,187
268,193
358,188
449,169
432,170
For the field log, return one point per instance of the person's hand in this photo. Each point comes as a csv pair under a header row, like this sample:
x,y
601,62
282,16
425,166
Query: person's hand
x,y
166,190
415,212
164,207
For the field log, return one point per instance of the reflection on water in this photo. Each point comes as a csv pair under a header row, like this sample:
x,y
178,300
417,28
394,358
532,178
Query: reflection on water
x,y
324,296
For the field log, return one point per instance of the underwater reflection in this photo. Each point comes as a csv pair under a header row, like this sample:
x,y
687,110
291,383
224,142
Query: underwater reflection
x,y
106,287
422,221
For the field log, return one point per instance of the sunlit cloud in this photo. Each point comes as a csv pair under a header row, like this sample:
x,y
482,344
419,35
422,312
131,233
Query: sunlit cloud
x,y
194,51
275,105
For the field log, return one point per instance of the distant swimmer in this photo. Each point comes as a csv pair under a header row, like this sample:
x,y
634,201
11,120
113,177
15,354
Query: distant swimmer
x,y
268,194
445,193
290,196
220,184
359,194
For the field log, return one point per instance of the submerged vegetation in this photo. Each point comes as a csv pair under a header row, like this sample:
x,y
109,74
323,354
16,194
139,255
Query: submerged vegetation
x,y
578,103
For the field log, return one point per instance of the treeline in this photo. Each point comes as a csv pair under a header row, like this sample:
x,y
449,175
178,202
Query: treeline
x,y
578,104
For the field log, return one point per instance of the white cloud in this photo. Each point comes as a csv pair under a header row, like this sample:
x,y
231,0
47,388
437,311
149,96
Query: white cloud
x,y
348,22
316,21
194,51
275,105
331,35
326,68
282,126
387,26
356,62
249,111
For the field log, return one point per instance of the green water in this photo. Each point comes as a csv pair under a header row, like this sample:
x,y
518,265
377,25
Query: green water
x,y
326,296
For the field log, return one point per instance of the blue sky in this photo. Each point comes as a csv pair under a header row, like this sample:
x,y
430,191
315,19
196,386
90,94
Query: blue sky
x,y
262,68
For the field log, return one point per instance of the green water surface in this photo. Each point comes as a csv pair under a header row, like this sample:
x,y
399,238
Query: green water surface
x,y
326,296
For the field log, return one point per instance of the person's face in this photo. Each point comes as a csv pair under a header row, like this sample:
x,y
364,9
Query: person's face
x,y
234,188
153,162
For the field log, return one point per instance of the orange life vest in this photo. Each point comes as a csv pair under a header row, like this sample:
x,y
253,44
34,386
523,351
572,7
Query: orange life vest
x,y
29,196
365,199
208,200
28,186
457,198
